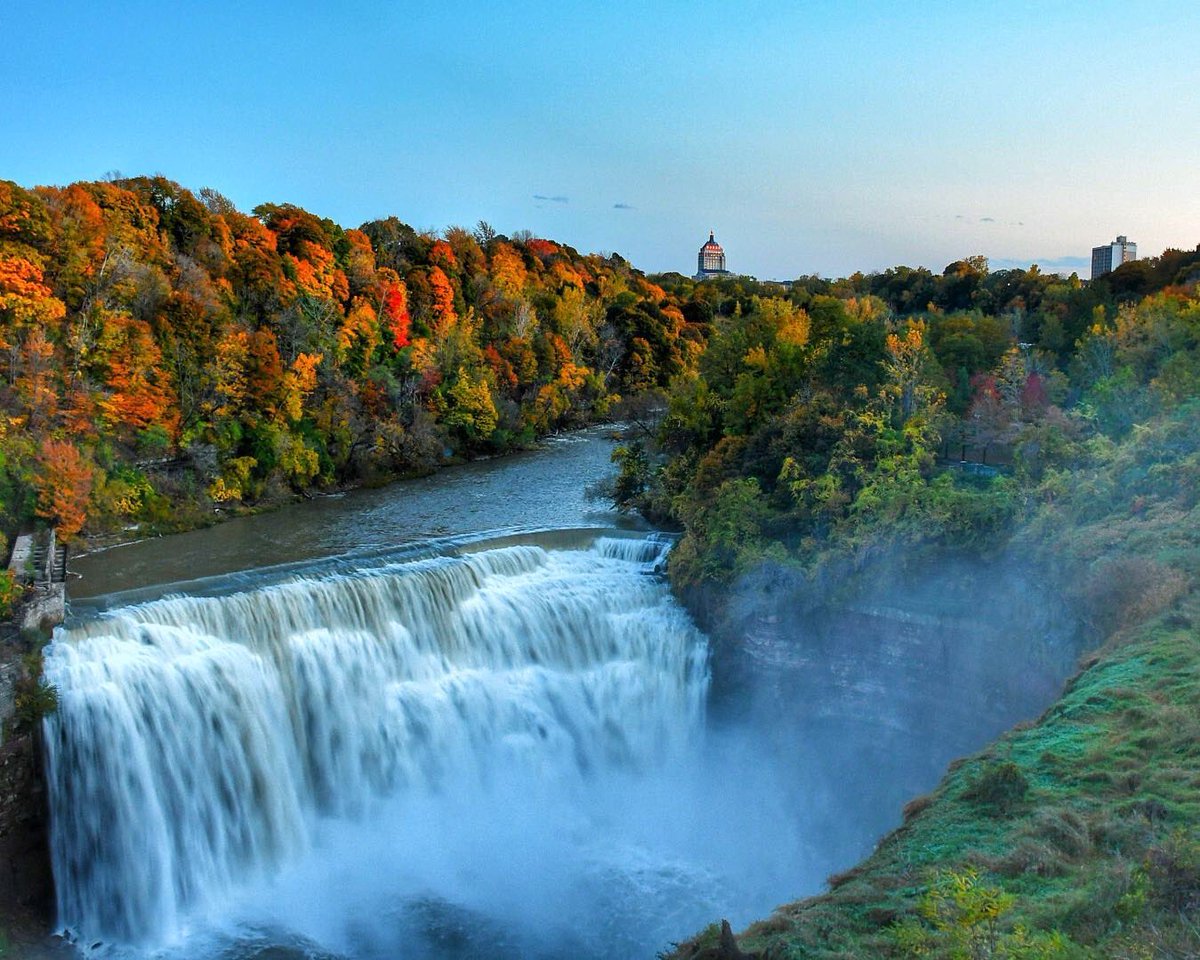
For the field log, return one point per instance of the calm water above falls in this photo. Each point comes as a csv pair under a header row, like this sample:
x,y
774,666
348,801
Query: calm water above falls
x,y
536,489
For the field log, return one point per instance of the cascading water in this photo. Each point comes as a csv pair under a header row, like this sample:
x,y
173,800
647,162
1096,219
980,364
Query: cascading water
x,y
497,747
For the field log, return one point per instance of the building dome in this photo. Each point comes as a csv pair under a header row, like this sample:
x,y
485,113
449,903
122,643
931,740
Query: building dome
x,y
711,259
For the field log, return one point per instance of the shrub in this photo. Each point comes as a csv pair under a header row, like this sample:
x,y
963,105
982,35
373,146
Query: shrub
x,y
1001,786
34,697
10,594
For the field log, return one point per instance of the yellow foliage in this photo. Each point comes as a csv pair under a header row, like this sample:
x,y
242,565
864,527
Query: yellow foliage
x,y
233,481
508,270
298,462
298,383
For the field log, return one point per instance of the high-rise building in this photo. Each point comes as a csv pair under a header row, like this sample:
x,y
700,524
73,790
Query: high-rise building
x,y
711,260
1107,258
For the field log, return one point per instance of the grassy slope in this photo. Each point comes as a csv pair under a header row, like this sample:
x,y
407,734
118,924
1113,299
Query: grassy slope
x,y
1113,771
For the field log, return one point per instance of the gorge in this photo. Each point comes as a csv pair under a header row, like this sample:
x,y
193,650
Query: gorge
x,y
480,745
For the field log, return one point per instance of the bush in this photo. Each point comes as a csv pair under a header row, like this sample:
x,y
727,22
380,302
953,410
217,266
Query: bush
x,y
1001,786
34,697
1174,872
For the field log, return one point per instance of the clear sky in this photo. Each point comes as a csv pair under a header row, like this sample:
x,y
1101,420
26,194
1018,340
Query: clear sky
x,y
813,137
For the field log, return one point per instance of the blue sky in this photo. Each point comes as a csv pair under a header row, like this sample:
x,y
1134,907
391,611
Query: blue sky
x,y
813,137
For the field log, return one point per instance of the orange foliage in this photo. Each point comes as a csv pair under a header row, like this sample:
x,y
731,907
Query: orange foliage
x,y
80,411
443,301
264,371
441,254
561,351
63,480
34,384
506,377
564,275
25,299
79,223
140,395
129,222
571,376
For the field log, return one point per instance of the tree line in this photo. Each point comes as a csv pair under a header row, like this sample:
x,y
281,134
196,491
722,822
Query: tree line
x,y
828,417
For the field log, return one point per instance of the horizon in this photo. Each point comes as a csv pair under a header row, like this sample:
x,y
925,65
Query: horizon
x,y
1025,139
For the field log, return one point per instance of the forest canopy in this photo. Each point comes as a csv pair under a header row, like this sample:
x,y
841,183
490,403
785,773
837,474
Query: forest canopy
x,y
167,353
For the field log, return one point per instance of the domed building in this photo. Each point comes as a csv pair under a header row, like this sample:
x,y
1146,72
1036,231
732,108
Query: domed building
x,y
710,262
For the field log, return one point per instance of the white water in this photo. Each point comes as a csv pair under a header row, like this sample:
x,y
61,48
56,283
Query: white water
x,y
490,755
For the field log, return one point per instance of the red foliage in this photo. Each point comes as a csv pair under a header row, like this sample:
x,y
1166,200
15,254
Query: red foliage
x,y
506,377
1033,394
542,248
395,313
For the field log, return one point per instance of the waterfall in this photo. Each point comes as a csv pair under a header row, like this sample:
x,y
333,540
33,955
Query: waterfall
x,y
204,746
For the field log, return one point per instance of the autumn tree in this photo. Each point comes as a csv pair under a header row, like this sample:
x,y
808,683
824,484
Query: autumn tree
x,y
63,480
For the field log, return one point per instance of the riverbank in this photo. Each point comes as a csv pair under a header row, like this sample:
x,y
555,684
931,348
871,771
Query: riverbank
x,y
187,520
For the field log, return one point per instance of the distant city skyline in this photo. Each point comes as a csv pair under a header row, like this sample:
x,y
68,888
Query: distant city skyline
x,y
814,138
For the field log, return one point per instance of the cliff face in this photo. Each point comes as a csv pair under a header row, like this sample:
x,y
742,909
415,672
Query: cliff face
x,y
869,683
26,884
26,881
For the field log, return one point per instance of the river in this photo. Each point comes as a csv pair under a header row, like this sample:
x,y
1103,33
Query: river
x,y
544,488
463,717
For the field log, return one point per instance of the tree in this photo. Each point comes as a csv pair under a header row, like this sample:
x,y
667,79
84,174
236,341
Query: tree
x,y
907,363
63,480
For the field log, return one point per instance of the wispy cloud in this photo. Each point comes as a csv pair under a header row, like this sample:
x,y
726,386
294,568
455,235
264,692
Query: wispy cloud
x,y
963,218
623,206
555,199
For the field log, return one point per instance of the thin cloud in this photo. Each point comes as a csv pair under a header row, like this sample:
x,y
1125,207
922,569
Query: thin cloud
x,y
623,206
555,199
964,218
